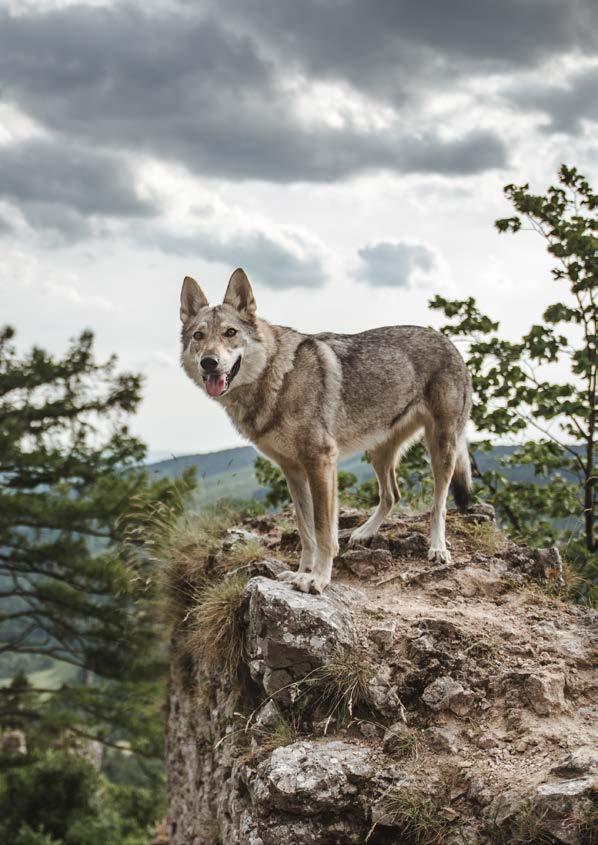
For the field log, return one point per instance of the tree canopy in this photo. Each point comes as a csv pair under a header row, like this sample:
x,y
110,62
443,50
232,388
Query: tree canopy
x,y
70,470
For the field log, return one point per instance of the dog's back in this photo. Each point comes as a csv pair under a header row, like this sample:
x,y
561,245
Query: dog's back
x,y
393,375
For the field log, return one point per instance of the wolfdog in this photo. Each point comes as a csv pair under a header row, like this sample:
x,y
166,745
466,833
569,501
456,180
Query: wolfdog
x,y
305,400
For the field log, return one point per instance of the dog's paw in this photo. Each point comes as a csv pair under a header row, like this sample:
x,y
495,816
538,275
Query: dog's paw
x,y
287,575
439,556
361,535
303,581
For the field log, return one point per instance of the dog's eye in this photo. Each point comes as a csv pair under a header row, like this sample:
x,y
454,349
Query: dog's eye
x,y
197,335
230,332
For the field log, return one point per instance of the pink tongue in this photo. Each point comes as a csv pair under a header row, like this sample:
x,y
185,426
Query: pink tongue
x,y
215,385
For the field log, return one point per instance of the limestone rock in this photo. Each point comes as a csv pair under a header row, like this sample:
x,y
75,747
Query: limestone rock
x,y
442,740
383,694
439,639
291,633
306,778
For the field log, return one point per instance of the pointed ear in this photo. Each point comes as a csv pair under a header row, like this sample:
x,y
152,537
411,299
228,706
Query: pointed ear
x,y
192,299
239,294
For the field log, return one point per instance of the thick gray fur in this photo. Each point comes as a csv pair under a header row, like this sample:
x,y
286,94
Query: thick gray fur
x,y
307,400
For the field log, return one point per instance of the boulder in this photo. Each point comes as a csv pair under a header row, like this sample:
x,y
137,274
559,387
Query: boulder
x,y
289,633
307,778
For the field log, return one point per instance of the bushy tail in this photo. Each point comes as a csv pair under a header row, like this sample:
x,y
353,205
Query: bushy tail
x,y
461,482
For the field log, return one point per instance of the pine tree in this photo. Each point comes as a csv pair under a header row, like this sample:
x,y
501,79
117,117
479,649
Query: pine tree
x,y
70,470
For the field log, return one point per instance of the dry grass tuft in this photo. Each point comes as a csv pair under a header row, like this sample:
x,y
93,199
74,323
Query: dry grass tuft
x,y
406,745
216,636
484,537
573,582
526,828
240,555
283,732
587,824
201,578
187,550
417,819
342,685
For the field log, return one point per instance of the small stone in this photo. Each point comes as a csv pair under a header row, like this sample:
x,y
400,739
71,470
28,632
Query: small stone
x,y
478,791
239,535
566,788
579,762
548,565
422,646
398,739
504,807
350,517
488,740
383,635
384,696
364,562
545,693
268,716
557,804
441,740
369,731
447,694
409,545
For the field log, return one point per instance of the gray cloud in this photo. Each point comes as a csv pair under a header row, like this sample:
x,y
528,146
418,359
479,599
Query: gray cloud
x,y
209,88
393,264
58,185
273,263
392,47
566,105
182,87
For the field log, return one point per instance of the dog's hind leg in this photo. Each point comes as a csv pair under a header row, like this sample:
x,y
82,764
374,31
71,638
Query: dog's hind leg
x,y
442,445
383,459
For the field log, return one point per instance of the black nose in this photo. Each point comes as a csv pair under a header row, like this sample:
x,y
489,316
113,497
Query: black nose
x,y
209,363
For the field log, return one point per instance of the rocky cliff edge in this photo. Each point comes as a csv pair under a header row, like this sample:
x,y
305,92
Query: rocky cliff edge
x,y
410,703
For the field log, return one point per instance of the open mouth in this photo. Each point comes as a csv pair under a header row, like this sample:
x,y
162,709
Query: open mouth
x,y
219,383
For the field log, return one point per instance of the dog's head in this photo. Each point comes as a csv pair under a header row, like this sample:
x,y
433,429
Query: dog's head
x,y
221,344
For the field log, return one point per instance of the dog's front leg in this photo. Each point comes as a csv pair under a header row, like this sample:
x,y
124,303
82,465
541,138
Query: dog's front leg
x,y
298,485
321,474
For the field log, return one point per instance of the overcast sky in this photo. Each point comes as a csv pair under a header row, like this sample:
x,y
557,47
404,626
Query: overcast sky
x,y
350,154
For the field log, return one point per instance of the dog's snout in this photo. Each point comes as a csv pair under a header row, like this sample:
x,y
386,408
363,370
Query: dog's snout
x,y
209,363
